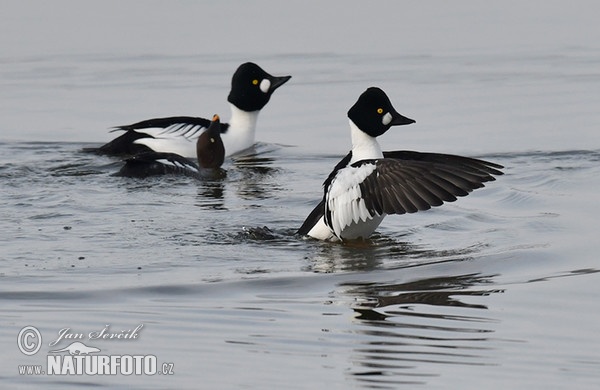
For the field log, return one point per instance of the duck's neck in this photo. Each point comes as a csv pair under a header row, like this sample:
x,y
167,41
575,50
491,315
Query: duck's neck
x,y
364,147
242,128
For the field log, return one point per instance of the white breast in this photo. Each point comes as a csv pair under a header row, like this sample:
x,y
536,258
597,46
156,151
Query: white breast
x,y
345,202
364,147
350,218
241,132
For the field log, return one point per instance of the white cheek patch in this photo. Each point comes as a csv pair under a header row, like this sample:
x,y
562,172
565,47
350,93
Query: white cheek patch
x,y
265,85
387,118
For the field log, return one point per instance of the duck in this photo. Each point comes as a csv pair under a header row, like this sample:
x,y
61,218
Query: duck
x,y
209,149
251,90
368,184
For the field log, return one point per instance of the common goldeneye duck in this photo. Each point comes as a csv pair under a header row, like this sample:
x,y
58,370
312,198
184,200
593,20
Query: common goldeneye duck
x,y
251,89
369,184
209,149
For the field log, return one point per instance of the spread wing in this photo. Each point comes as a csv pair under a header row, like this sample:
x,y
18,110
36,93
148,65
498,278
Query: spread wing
x,y
406,182
460,162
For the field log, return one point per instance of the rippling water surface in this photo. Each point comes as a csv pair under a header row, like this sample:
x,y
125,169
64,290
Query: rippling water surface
x,y
499,286
497,290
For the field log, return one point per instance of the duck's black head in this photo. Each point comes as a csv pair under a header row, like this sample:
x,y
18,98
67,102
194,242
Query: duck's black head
x,y
374,114
252,87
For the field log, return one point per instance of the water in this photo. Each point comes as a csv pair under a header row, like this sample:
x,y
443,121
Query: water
x,y
496,290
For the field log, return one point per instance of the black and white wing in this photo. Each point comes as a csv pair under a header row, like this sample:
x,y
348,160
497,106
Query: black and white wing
x,y
173,134
407,183
155,163
318,211
182,126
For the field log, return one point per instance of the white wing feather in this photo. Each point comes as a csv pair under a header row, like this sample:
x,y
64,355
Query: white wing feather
x,y
177,164
344,199
169,142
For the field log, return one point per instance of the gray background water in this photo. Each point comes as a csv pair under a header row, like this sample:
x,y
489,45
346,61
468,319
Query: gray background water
x,y
498,290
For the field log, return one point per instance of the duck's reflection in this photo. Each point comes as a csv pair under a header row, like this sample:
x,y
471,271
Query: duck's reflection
x,y
438,291
255,176
409,331
412,318
379,252
211,193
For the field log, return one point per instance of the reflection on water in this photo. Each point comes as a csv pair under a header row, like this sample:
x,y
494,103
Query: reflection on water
x,y
256,174
217,261
381,251
211,194
403,325
441,291
251,175
576,272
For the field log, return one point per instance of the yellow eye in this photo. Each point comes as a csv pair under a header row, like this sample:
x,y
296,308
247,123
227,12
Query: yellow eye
x,y
255,82
380,110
